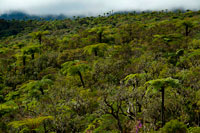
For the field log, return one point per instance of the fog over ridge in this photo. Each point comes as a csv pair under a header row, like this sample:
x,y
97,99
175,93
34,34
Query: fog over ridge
x,y
92,7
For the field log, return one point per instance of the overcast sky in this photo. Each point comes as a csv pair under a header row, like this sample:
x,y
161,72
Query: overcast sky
x,y
92,7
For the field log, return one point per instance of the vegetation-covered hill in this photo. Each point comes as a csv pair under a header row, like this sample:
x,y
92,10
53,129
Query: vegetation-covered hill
x,y
113,73
18,15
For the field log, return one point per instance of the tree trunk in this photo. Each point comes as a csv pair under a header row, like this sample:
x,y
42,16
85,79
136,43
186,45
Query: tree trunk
x,y
33,56
163,108
24,61
186,30
40,39
120,126
139,107
100,37
45,128
81,78
42,91
33,131
95,53
24,64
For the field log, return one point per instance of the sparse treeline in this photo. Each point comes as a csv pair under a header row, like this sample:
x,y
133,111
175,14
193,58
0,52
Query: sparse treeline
x,y
112,73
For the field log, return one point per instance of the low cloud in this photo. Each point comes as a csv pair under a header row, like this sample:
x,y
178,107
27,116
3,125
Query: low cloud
x,y
92,7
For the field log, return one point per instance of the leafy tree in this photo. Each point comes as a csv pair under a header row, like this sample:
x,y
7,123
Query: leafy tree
x,y
160,85
39,35
168,42
135,79
174,57
190,59
113,107
188,25
97,49
30,124
22,58
34,86
31,50
99,31
75,68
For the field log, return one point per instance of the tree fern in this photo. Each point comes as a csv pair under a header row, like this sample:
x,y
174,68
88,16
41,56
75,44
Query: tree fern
x,y
35,88
30,123
159,85
31,50
39,35
75,68
97,49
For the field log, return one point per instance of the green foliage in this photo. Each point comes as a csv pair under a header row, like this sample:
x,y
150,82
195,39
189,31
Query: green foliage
x,y
167,38
97,49
134,77
101,74
73,67
159,83
194,130
7,107
186,23
35,88
31,49
39,35
31,123
190,59
174,126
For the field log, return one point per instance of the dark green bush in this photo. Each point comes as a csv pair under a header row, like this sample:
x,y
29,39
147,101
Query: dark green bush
x,y
174,126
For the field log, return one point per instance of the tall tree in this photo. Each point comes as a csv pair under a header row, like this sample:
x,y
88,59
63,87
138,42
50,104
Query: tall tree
x,y
75,68
35,88
32,50
39,35
97,49
160,85
99,32
188,25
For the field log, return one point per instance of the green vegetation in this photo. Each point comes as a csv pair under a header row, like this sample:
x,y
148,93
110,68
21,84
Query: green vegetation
x,y
174,126
116,73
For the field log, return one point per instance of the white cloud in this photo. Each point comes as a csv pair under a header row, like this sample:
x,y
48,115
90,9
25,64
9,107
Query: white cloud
x,y
74,7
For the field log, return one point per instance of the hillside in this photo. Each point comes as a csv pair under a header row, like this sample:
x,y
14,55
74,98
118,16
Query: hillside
x,y
114,73
18,15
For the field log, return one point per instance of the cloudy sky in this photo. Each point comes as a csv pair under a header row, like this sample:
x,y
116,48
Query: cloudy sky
x,y
92,7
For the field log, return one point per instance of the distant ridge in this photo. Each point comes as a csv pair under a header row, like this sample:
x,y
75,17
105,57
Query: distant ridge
x,y
18,15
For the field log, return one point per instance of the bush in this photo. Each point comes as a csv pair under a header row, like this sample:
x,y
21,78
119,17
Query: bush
x,y
174,126
194,130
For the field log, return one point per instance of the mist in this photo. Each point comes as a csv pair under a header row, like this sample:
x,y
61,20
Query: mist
x,y
92,7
